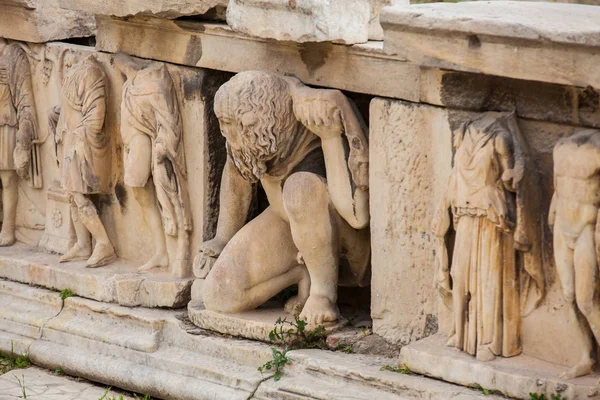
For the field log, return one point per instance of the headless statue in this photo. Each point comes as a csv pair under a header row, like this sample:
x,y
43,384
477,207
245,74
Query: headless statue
x,y
308,149
152,132
86,162
17,133
574,220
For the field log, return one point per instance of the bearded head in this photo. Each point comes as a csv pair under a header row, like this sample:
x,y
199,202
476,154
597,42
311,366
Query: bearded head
x,y
256,117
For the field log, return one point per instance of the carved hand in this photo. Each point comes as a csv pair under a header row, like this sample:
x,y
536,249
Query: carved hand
x,y
321,116
209,251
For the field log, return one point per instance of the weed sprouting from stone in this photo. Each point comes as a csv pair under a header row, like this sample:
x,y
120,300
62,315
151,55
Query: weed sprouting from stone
x,y
400,370
14,361
66,293
22,385
293,335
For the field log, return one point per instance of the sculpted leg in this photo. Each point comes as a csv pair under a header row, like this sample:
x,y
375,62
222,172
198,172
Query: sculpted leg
x,y
146,197
104,252
314,229
564,258
82,249
259,262
10,194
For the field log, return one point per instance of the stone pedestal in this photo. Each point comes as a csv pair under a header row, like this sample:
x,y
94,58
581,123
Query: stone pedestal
x,y
255,324
514,377
117,283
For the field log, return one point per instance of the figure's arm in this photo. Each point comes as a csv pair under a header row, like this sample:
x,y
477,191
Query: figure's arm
x,y
329,114
235,198
505,151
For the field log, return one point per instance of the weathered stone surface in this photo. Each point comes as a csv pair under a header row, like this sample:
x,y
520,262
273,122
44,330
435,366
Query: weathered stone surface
x,y
43,384
410,157
118,282
504,38
345,21
40,21
529,99
359,68
411,153
255,324
153,352
119,210
514,377
158,8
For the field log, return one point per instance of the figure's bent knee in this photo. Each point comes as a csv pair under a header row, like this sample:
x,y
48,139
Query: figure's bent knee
x,y
222,293
303,193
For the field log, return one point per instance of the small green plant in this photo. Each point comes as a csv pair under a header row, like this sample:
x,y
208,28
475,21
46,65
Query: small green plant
x,y
366,330
59,371
279,361
293,335
14,361
66,293
22,385
400,370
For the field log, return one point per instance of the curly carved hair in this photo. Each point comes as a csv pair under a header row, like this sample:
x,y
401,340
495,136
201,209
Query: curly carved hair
x,y
267,97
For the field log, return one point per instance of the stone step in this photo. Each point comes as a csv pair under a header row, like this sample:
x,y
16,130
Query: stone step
x,y
152,351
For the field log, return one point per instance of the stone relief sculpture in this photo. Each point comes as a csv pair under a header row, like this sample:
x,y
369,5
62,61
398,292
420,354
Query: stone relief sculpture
x,y
574,220
308,148
86,160
152,132
19,156
496,268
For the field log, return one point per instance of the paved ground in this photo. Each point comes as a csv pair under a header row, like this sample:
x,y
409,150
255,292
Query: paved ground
x,y
40,384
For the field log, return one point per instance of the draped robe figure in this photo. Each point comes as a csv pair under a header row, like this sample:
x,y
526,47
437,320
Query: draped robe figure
x,y
19,156
86,161
491,195
152,132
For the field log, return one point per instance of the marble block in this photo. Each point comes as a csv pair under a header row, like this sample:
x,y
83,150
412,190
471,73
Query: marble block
x,y
39,21
117,283
548,42
344,21
159,8
514,377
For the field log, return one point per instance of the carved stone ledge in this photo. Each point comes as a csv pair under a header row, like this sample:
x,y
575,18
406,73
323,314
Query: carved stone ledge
x,y
514,377
154,352
505,38
255,324
118,282
360,68
158,8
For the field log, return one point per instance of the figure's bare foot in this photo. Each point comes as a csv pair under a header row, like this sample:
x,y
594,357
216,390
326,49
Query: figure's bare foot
x,y
583,368
293,304
103,254
180,268
318,310
158,260
76,253
7,239
484,353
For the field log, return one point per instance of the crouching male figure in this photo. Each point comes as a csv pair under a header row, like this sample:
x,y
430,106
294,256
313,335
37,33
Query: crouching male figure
x,y
308,148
